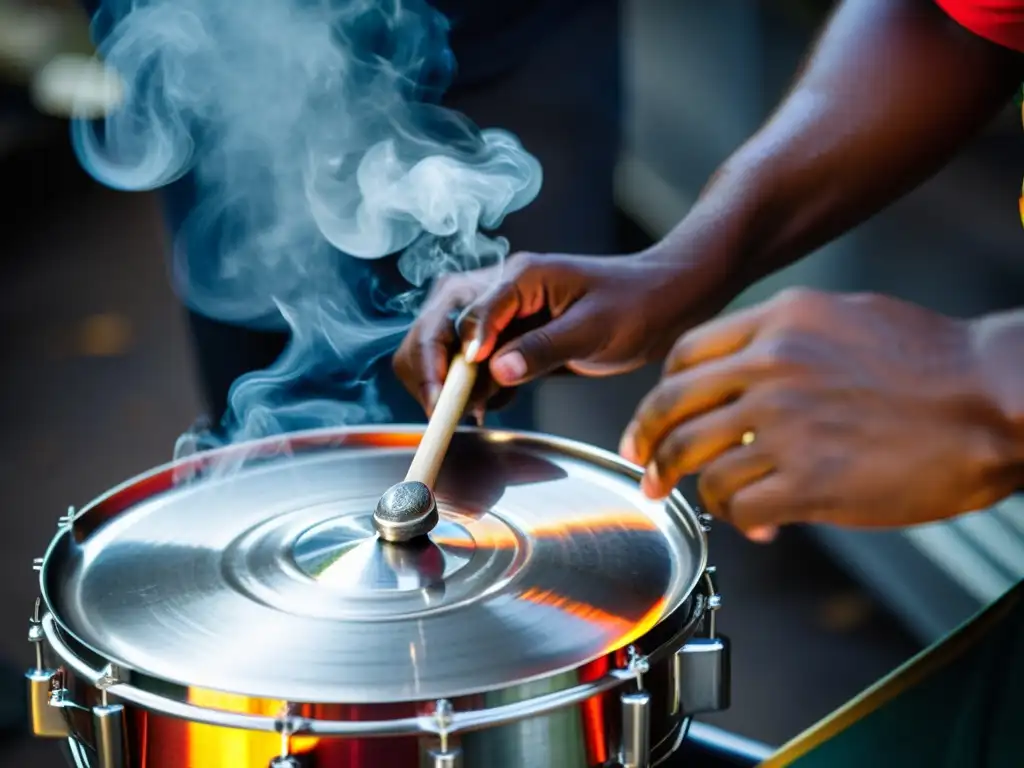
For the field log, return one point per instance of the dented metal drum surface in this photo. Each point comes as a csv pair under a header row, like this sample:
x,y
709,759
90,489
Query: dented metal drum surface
x,y
237,610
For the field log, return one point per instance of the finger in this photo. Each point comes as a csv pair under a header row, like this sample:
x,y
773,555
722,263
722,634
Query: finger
x,y
421,362
722,479
479,415
574,335
765,503
502,398
717,338
482,402
764,534
488,394
681,397
518,292
485,390
688,448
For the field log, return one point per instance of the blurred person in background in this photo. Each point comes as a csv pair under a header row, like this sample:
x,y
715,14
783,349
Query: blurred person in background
x,y
859,410
545,70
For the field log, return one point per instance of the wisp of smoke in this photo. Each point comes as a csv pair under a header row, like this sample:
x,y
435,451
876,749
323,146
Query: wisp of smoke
x,y
316,141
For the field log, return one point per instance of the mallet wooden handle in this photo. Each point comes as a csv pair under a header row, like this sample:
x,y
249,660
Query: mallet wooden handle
x,y
451,404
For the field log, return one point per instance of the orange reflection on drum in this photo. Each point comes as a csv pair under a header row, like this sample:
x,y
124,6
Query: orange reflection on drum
x,y
488,533
593,713
619,520
217,746
386,439
623,630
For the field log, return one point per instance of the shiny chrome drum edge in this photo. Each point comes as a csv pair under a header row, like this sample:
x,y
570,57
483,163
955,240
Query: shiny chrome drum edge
x,y
323,438
457,722
677,507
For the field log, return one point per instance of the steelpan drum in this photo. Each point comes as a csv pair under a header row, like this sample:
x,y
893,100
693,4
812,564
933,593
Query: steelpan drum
x,y
236,610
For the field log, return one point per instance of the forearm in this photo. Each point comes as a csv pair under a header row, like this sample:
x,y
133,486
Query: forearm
x,y
889,94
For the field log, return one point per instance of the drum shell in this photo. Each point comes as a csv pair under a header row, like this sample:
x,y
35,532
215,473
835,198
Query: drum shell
x,y
585,735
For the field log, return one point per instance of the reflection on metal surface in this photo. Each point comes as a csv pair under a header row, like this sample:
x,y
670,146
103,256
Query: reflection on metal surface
x,y
623,629
211,745
45,721
595,733
448,758
700,676
721,743
346,554
252,615
227,583
524,725
636,729
406,511
111,736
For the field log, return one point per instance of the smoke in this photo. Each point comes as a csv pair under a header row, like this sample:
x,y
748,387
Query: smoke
x,y
316,142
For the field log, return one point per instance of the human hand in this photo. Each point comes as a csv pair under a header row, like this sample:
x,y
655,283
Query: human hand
x,y
594,315
857,410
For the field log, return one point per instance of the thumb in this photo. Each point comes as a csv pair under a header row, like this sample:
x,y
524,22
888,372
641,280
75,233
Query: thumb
x,y
572,336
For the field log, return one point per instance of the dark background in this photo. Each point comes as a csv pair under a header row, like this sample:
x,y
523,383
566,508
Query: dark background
x,y
97,378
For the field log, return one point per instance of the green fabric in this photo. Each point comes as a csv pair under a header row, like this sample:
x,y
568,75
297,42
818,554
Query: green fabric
x,y
969,713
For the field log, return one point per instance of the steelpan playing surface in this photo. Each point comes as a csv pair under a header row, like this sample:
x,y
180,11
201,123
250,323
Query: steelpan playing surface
x,y
269,581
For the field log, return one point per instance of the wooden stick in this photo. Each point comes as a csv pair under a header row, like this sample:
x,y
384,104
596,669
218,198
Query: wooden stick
x,y
451,404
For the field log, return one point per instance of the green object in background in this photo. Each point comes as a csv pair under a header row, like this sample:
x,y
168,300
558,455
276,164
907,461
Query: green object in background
x,y
959,704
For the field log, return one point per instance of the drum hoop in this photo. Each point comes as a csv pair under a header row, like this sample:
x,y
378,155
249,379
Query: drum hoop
x,y
458,722
126,494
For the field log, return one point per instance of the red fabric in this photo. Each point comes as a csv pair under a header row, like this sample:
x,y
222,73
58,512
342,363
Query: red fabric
x,y
1001,21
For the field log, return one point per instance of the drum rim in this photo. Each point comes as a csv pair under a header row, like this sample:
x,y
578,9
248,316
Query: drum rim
x,y
679,508
420,721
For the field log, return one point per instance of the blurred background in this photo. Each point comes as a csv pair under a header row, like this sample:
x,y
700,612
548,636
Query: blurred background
x,y
98,382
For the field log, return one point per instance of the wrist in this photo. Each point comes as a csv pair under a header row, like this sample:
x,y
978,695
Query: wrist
x,y
696,270
730,237
997,346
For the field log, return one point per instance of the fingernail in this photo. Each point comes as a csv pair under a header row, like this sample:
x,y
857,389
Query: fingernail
x,y
763,535
509,368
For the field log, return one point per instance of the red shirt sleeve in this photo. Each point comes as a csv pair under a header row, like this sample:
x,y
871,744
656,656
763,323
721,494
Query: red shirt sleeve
x,y
1000,21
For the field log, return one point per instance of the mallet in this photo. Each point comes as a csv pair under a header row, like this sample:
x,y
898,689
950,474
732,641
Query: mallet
x,y
408,509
